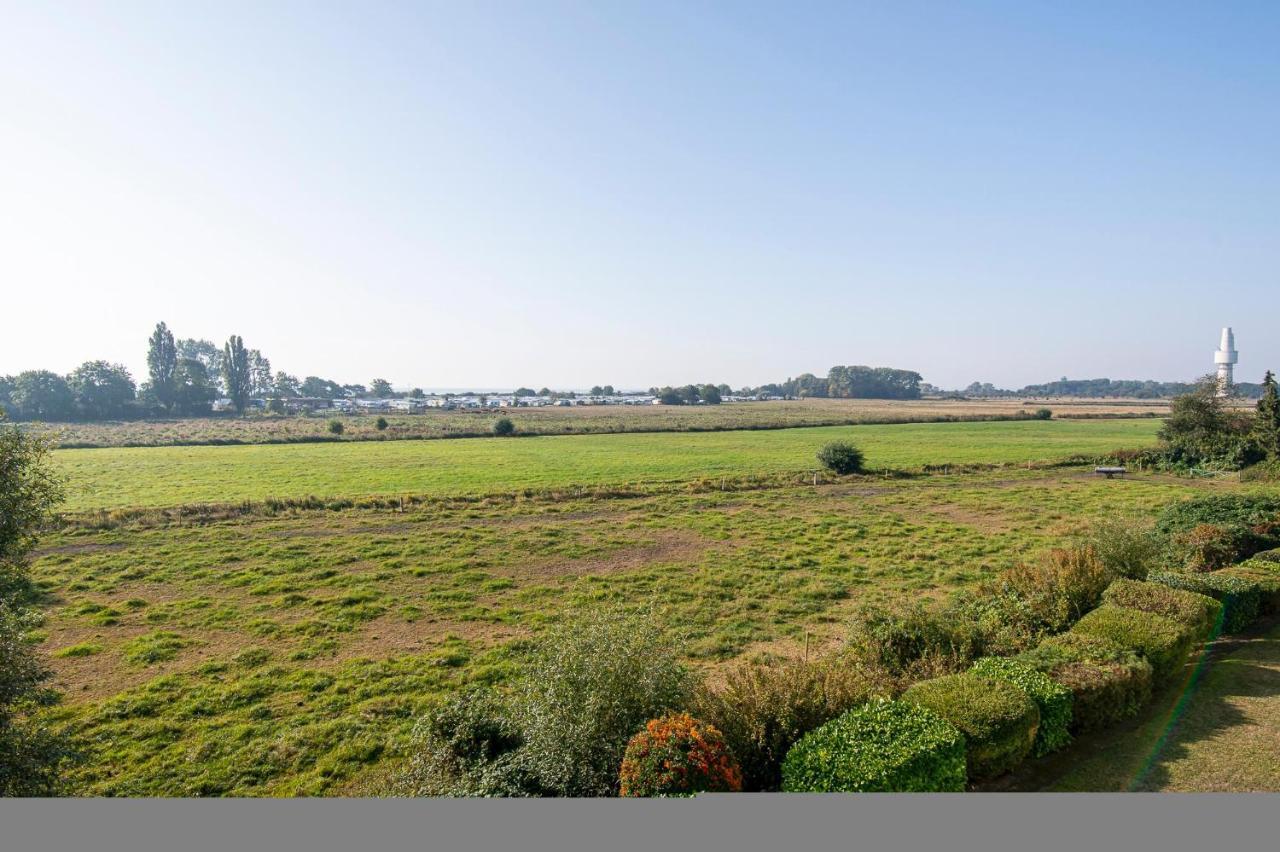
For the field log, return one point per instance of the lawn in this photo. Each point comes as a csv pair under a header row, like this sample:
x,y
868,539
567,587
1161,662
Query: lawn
x,y
291,655
164,476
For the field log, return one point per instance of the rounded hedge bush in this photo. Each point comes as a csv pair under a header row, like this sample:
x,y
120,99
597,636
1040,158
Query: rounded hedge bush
x,y
1108,683
841,457
1240,597
999,721
1163,641
1196,612
381,424
1266,575
883,746
336,427
1052,698
678,756
503,426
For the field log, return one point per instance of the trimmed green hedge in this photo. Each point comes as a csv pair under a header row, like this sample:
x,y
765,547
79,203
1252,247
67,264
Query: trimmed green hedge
x,y
1240,597
1198,613
998,720
1108,683
1267,577
1163,641
1052,698
883,746
1269,555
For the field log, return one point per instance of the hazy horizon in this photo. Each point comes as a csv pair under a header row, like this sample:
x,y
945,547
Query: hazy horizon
x,y
495,195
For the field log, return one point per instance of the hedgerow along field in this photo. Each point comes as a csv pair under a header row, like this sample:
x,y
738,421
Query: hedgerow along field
x,y
166,476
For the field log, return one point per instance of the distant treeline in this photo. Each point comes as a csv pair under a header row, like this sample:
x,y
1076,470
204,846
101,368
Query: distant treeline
x,y
847,383
1128,388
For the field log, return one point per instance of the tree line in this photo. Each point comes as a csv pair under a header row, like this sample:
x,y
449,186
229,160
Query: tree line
x,y
847,383
1128,388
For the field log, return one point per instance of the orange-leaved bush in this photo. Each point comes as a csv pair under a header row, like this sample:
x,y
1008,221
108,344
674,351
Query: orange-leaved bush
x,y
678,755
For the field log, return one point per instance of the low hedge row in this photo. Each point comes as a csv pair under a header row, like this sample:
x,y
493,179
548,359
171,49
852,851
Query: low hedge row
x,y
998,719
1162,641
1108,682
1266,574
1051,698
882,746
1240,597
1198,613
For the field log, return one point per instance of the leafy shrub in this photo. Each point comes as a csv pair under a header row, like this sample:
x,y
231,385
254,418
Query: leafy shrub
x,y
503,427
1269,555
763,710
1266,575
1060,586
1208,547
841,457
1196,612
913,640
1108,683
1043,414
678,756
591,685
1162,641
466,746
883,746
1244,510
998,719
336,427
1052,698
1126,547
380,424
1240,597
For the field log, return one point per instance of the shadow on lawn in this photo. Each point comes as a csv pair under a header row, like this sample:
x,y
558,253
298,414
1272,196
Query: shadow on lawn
x,y
1137,755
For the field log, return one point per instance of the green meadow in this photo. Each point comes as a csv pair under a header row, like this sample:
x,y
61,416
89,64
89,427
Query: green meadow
x,y
165,476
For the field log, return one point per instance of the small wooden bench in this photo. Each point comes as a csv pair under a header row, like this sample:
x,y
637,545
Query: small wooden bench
x,y
1109,472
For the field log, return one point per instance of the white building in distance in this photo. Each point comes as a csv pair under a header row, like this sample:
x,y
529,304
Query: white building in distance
x,y
1225,359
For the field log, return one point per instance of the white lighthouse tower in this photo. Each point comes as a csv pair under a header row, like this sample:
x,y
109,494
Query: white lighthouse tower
x,y
1225,359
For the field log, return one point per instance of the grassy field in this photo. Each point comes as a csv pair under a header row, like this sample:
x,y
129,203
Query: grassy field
x,y
152,477
580,420
279,656
291,654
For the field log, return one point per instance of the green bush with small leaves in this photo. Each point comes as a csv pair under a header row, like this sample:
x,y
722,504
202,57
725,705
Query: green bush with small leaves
x,y
1108,683
1196,612
504,426
1266,575
882,746
998,719
1240,598
841,457
336,427
380,424
1162,641
1052,698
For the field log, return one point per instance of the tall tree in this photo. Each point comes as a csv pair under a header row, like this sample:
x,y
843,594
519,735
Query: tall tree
x,y
204,351
260,381
285,385
1267,420
162,360
102,390
236,377
192,391
42,395
381,389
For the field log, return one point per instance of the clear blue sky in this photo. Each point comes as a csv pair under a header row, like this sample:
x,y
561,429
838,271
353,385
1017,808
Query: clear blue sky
x,y
491,194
